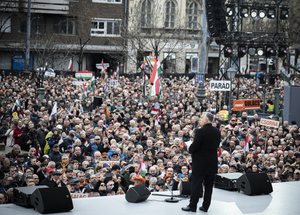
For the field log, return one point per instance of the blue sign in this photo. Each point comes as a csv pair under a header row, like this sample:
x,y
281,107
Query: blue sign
x,y
113,83
199,78
19,61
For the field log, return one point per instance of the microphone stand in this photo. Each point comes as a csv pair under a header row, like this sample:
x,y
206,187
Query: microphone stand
x,y
172,199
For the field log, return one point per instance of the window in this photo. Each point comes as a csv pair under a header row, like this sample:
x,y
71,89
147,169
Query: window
x,y
102,27
146,14
169,62
5,24
64,25
170,15
37,24
193,15
107,1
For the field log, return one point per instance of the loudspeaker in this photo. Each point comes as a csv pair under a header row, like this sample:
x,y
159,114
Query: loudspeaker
x,y
291,104
185,188
22,195
255,184
227,181
97,101
137,194
52,200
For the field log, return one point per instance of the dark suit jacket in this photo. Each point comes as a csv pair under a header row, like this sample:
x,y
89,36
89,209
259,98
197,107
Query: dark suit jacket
x,y
204,150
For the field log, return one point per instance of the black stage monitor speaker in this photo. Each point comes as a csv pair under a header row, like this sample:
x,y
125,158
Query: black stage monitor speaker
x,y
97,101
22,195
137,194
255,184
227,181
185,188
52,200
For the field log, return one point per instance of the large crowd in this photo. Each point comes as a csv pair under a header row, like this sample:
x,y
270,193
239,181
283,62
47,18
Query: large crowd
x,y
99,148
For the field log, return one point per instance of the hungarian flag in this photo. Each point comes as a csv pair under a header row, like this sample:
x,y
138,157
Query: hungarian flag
x,y
17,103
66,88
70,67
145,83
117,72
155,79
142,67
86,143
20,173
84,91
93,83
37,100
142,168
103,67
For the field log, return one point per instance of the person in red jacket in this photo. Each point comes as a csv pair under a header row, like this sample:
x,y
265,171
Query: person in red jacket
x,y
18,132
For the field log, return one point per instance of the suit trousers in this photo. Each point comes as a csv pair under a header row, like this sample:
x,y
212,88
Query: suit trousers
x,y
197,181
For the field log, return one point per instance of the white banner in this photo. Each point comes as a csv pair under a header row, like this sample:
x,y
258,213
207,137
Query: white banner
x,y
219,85
99,65
50,74
78,83
269,123
86,75
113,83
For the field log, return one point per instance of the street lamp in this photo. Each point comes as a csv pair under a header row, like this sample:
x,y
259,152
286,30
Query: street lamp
x,y
202,59
214,46
230,74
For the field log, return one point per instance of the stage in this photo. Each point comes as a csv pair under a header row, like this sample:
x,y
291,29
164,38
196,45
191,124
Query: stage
x,y
283,200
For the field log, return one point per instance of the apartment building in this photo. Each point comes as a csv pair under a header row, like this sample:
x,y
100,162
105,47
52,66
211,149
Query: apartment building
x,y
81,30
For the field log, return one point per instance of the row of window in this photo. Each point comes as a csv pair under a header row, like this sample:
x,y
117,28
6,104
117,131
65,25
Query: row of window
x,y
64,25
147,10
101,27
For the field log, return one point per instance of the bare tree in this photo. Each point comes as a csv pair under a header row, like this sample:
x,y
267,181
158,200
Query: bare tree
x,y
82,13
147,31
8,9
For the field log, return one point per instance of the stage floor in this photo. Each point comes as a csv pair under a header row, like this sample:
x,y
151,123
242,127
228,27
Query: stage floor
x,y
283,200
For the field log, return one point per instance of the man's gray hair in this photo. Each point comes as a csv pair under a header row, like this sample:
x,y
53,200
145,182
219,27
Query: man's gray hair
x,y
209,116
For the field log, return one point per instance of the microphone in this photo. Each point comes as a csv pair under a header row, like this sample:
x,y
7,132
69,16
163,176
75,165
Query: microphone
x,y
172,199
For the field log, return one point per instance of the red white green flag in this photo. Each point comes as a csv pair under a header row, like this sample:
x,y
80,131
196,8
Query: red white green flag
x,y
86,143
142,168
84,91
20,173
155,79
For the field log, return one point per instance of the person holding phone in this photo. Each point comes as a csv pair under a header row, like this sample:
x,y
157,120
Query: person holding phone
x,y
204,162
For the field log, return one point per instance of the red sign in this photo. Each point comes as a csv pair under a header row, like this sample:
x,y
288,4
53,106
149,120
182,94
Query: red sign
x,y
247,104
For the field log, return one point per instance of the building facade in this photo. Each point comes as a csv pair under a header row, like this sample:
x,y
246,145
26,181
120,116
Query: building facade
x,y
81,30
165,29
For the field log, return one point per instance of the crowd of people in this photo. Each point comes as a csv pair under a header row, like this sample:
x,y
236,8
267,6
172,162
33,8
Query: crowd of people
x,y
99,148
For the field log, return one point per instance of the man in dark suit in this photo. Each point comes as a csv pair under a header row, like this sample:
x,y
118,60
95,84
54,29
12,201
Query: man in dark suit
x,y
204,163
